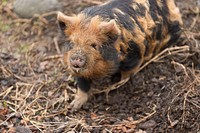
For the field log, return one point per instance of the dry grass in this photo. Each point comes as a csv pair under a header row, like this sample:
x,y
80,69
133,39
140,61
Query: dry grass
x,y
41,100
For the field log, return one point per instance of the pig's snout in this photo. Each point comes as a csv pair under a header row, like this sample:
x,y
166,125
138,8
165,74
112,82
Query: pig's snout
x,y
78,60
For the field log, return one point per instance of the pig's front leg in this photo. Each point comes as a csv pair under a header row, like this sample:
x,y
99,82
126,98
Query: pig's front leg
x,y
82,95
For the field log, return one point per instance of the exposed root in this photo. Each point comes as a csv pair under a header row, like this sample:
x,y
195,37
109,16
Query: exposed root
x,y
190,84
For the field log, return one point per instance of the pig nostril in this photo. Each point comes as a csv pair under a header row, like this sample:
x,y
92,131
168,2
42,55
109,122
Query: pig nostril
x,y
77,61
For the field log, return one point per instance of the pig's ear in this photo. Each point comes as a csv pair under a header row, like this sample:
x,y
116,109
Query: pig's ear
x,y
64,21
109,27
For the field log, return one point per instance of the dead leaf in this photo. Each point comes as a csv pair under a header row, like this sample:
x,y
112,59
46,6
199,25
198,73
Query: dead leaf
x,y
124,129
3,113
12,130
93,116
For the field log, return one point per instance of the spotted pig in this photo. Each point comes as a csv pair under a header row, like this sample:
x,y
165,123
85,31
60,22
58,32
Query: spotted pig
x,y
116,38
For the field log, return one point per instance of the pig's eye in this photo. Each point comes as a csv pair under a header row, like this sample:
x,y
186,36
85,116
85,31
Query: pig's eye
x,y
93,45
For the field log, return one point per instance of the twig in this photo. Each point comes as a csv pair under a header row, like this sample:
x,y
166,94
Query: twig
x,y
176,64
40,17
10,116
112,87
168,50
35,125
22,105
172,123
52,57
194,21
184,106
5,93
56,45
196,105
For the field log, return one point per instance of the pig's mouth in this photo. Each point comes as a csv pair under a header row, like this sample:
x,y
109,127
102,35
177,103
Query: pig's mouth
x,y
77,62
77,70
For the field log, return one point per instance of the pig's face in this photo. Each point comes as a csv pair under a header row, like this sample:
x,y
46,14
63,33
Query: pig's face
x,y
91,45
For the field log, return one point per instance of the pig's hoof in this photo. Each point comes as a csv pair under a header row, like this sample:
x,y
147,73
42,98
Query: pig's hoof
x,y
78,102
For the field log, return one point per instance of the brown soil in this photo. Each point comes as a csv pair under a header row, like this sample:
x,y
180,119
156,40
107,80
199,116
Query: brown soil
x,y
35,89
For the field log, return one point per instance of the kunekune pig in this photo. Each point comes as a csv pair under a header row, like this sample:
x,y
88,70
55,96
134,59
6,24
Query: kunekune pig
x,y
116,38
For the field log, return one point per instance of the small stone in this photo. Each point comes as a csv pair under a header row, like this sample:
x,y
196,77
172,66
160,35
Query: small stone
x,y
154,80
4,82
150,94
56,118
140,131
148,124
22,129
27,8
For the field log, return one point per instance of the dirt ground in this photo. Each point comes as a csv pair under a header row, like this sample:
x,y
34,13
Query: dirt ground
x,y
35,89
